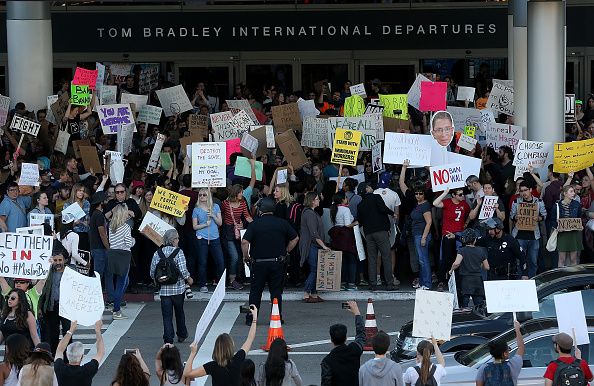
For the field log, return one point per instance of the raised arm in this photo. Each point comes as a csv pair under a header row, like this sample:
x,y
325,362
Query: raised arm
x,y
252,333
519,339
65,340
401,179
99,342
438,202
438,354
188,371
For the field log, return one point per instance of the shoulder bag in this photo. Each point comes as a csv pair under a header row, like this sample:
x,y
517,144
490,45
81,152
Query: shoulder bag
x,y
552,242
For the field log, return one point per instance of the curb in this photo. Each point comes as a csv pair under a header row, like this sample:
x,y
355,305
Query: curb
x,y
298,295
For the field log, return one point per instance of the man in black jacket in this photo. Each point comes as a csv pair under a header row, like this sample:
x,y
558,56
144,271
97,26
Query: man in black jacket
x,y
341,366
373,217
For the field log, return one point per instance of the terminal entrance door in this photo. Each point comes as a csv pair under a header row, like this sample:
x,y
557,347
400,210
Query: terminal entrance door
x,y
394,78
216,79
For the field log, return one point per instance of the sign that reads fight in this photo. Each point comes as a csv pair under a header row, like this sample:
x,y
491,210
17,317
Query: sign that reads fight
x,y
446,176
346,147
114,117
25,255
170,202
25,125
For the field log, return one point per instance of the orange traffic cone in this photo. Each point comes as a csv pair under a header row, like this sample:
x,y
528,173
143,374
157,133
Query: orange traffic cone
x,y
275,330
370,326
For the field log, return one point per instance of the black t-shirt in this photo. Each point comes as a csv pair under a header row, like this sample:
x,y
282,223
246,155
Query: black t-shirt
x,y
268,236
473,258
68,375
229,375
97,220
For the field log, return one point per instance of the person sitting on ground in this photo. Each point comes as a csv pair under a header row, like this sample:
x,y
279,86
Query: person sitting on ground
x,y
380,370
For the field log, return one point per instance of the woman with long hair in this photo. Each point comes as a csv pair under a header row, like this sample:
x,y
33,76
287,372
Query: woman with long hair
x,y
318,174
569,243
81,226
225,367
39,204
17,353
39,369
70,239
248,373
119,254
17,318
132,371
169,367
283,198
278,370
343,238
424,368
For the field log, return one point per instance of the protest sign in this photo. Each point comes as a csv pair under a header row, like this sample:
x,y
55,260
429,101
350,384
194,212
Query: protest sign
x,y
100,76
124,138
243,168
174,100
372,122
270,142
500,134
208,164
466,142
49,115
328,273
4,108
571,316
465,94
433,96
470,131
158,227
452,290
108,95
570,108
32,230
414,93
463,117
414,147
61,144
241,122
25,255
77,144
307,108
368,138
511,295
536,154
573,156
395,125
376,157
41,218
232,146
292,150
150,114
433,315
501,99
281,176
487,116
84,77
395,106
359,243
354,106
60,106
527,216
236,105
505,82
222,128
80,95
120,69
90,159
373,109
170,202
569,224
211,308
286,117
114,117
75,210
81,297
446,176
154,160
199,123
358,89
346,147
29,175
138,100
116,166
315,132
25,125
148,79
490,203
261,135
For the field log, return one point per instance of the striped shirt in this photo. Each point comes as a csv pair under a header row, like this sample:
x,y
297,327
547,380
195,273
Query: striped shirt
x,y
121,238
233,215
180,261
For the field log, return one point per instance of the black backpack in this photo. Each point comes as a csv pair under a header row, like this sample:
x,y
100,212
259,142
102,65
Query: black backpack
x,y
430,381
166,271
569,374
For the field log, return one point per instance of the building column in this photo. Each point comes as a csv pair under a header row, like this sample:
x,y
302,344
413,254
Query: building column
x,y
510,39
520,68
29,47
546,70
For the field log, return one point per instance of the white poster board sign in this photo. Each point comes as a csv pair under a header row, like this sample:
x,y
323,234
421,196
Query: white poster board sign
x,y
500,134
40,219
51,99
155,223
25,125
222,128
446,176
465,94
466,142
433,315
75,210
114,117
249,143
116,167
211,309
124,139
314,133
241,122
501,99
25,255
81,297
414,93
413,147
490,203
150,114
154,160
358,89
307,108
244,105
270,142
209,162
32,230
29,175
452,290
376,157
359,243
108,95
511,295
571,317
138,100
174,100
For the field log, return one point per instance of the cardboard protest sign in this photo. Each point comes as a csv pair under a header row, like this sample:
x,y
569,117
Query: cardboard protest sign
x,y
108,95
80,95
243,168
452,290
414,147
395,125
433,96
32,230
414,93
490,203
209,164
465,94
286,117
354,106
292,150
138,100
241,122
570,108
433,315
114,117
466,142
307,108
25,125
85,77
90,158
60,106
198,122
49,115
232,146
77,144
116,166
346,147
571,316
395,106
150,114
156,225
236,105
154,160
499,134
25,255
527,216
501,99
124,138
376,157
570,224
257,142
4,109
29,175
41,218
170,202
446,176
358,89
328,272
573,156
511,295
222,128
211,308
81,297
174,100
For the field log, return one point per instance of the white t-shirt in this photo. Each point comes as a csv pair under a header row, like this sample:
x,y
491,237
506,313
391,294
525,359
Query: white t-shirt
x,y
389,196
411,376
344,216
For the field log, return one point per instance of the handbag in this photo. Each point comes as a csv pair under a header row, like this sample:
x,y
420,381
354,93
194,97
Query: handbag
x,y
552,242
118,261
237,226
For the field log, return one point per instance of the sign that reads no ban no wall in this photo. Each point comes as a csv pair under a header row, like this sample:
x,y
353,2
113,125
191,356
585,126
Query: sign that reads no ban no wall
x,y
446,176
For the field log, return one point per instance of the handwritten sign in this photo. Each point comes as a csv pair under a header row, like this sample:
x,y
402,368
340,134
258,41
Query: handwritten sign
x,y
414,147
150,114
114,117
198,122
286,117
446,176
170,202
315,132
116,166
414,93
25,125
328,272
157,225
570,224
570,108
154,160
465,94
470,131
490,203
108,94
307,108
395,106
531,153
81,297
85,77
573,156
29,175
571,316
433,315
346,147
499,134
358,89
236,105
241,122
174,100
137,100
80,95
209,164
41,218
501,99
527,216
249,143
466,142
511,295
25,255
211,309
354,106
4,108
222,127
433,96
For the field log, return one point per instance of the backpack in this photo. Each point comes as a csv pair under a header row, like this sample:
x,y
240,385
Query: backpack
x,y
166,271
430,381
295,212
569,374
498,374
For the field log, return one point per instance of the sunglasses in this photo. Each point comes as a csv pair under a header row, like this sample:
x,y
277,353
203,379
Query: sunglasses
x,y
203,195
460,194
120,191
12,298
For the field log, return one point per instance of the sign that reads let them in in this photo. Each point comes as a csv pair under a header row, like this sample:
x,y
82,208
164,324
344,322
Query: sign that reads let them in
x,y
573,156
25,255
511,296
80,95
527,216
170,202
114,117
81,297
446,176
25,125
346,147
209,164
329,268
490,203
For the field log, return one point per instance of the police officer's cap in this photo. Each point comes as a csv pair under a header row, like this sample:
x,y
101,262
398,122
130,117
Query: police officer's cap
x,y
266,205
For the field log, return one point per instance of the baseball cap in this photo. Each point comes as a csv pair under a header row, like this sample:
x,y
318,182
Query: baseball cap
x,y
98,197
563,340
384,180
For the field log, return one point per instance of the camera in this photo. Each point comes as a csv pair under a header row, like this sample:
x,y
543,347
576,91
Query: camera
x,y
188,292
243,309
130,351
345,306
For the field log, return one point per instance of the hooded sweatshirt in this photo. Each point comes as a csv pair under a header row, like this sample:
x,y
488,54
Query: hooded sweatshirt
x,y
380,372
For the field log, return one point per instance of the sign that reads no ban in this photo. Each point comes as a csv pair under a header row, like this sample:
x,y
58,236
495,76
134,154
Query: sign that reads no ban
x,y
446,176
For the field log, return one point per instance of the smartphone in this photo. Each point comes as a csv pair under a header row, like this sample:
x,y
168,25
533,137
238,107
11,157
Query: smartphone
x,y
345,306
243,309
130,351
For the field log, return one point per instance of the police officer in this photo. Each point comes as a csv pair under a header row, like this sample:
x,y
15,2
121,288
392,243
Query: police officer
x,y
265,245
506,259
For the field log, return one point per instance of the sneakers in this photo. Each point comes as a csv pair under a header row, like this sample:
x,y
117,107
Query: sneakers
x,y
109,306
362,282
424,288
123,303
204,290
119,316
351,287
396,282
440,287
236,285
415,283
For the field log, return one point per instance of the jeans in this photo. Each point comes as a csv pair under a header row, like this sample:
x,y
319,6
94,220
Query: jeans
x,y
424,264
476,300
169,305
414,255
100,262
530,248
312,261
189,244
379,242
214,246
120,288
234,249
349,267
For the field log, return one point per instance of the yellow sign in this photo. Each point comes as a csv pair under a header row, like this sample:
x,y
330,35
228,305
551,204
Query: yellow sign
x,y
346,147
395,106
573,156
354,106
470,131
170,202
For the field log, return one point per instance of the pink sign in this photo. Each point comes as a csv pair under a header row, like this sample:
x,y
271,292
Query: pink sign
x,y
232,147
433,96
85,77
